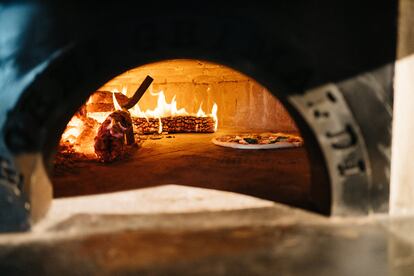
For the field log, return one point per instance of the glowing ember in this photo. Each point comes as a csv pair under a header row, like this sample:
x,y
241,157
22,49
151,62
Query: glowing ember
x,y
73,130
98,116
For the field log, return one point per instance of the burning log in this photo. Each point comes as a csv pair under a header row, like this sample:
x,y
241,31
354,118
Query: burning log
x,y
89,129
101,101
138,94
176,124
112,135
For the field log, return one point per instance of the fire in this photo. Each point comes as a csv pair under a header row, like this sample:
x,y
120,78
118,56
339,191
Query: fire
x,y
124,90
200,112
81,129
214,115
73,130
165,109
117,106
98,116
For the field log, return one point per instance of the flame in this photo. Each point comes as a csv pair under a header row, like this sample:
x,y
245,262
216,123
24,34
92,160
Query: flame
x,y
165,109
200,112
136,111
89,101
115,101
79,133
73,130
98,116
159,125
214,115
124,90
101,116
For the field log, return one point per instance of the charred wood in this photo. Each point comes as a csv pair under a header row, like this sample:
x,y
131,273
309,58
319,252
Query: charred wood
x,y
176,124
113,134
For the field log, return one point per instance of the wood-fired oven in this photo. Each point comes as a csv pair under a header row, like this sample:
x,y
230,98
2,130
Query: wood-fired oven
x,y
315,68
189,103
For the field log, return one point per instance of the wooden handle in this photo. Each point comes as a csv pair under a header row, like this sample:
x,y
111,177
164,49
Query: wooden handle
x,y
139,93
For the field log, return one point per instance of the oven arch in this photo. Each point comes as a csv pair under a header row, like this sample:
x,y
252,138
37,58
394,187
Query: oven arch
x,y
33,125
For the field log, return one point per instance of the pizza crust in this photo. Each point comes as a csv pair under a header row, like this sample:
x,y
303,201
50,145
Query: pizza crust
x,y
277,145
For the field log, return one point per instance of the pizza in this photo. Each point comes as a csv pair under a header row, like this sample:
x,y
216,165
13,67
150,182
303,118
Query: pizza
x,y
259,141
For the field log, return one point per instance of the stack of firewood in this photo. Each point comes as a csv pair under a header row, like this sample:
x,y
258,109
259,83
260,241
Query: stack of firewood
x,y
101,101
176,124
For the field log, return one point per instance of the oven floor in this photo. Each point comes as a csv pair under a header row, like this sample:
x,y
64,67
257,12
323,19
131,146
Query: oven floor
x,y
280,175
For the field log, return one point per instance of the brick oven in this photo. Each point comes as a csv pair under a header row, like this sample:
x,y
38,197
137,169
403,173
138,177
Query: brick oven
x,y
308,77
184,154
323,70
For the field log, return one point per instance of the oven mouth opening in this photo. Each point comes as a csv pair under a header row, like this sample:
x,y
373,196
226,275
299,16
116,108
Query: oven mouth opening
x,y
199,124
